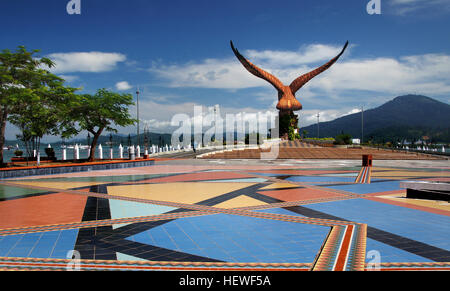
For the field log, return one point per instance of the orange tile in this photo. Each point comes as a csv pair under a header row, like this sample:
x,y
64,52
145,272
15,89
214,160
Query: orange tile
x,y
299,194
42,210
199,177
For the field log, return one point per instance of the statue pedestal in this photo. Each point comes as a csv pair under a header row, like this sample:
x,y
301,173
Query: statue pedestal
x,y
285,121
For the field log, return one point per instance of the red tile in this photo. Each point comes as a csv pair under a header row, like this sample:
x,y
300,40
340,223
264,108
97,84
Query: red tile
x,y
42,210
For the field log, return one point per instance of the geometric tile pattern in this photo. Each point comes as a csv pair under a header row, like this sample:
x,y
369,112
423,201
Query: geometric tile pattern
x,y
364,177
223,218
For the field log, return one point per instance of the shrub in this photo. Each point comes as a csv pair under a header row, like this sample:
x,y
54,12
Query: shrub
x,y
50,152
343,139
18,153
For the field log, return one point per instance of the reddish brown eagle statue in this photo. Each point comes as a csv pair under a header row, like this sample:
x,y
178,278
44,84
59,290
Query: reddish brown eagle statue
x,y
287,103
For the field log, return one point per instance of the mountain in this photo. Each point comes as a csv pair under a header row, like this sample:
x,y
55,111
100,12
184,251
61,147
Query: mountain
x,y
405,117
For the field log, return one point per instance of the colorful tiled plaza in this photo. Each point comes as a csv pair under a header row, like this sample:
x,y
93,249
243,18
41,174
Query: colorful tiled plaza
x,y
227,215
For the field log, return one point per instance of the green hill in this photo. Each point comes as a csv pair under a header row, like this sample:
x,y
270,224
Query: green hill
x,y
405,117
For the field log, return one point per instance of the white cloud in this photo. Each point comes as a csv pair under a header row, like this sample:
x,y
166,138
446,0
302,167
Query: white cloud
x,y
211,73
69,78
123,86
306,55
308,117
230,74
406,7
91,62
428,74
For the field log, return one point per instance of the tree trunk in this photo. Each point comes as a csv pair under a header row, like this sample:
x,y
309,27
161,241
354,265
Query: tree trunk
x,y
3,117
94,144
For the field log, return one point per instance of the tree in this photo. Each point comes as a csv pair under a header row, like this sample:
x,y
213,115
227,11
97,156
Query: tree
x,y
343,139
305,133
45,110
100,112
21,77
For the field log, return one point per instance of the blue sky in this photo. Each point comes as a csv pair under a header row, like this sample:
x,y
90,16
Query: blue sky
x,y
178,51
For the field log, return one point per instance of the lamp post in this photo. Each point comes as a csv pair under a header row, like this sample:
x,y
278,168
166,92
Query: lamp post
x,y
137,105
318,121
362,125
146,129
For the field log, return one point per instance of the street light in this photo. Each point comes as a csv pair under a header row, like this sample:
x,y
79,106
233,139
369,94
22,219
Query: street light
x,y
318,121
362,125
138,138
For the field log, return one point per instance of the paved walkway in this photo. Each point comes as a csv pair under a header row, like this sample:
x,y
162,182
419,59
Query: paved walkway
x,y
226,215
298,150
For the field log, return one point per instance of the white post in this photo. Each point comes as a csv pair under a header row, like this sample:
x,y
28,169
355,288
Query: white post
x,y
76,152
132,153
138,151
111,153
38,158
121,151
64,154
100,152
443,149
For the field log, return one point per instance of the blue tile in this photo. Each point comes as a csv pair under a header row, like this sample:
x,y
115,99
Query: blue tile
x,y
390,254
320,179
25,245
19,252
7,243
418,225
65,242
45,245
219,236
368,188
142,237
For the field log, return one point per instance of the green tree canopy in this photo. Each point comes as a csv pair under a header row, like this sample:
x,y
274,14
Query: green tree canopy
x,y
101,112
30,96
